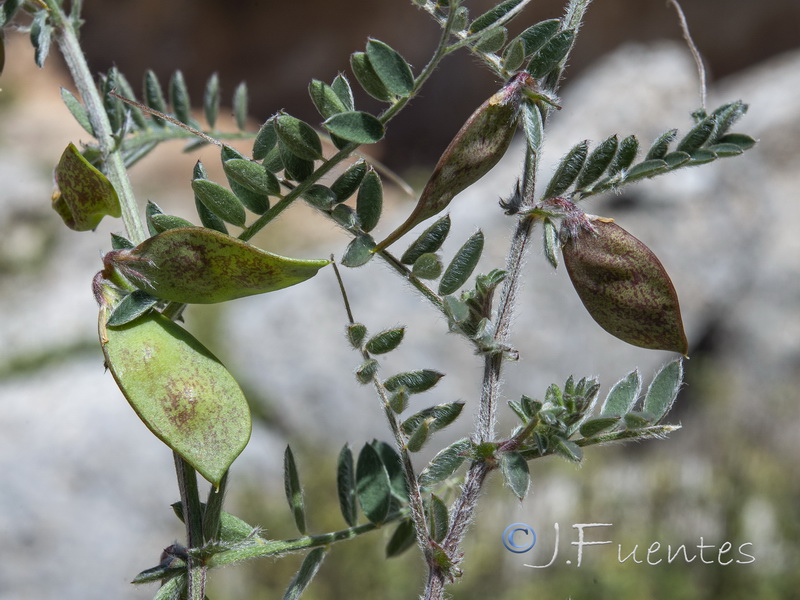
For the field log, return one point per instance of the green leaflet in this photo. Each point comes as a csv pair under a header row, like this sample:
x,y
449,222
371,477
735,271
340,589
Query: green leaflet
x,y
325,99
402,539
415,382
445,463
299,137
428,242
211,100
220,201
551,53
348,182
355,126
78,110
373,485
359,251
663,390
195,265
367,77
567,170
493,15
462,265
391,68
305,574
184,395
294,491
346,486
515,473
385,341
437,517
623,396
240,110
369,202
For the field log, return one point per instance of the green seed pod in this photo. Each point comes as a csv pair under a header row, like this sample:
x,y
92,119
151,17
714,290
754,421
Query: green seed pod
x,y
624,287
477,147
194,265
85,195
428,242
184,395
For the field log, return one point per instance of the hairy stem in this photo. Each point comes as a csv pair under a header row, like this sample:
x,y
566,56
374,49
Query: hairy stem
x,y
193,519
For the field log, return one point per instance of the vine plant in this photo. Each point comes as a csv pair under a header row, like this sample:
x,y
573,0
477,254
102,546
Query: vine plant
x,y
162,263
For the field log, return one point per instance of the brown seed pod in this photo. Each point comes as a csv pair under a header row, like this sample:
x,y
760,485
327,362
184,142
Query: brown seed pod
x,y
624,286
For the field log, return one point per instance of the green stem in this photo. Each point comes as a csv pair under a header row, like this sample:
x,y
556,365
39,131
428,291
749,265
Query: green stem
x,y
212,515
193,519
259,547
70,47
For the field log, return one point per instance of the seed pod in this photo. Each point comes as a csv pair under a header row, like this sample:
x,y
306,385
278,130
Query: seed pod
x,y
195,265
477,147
85,195
184,395
624,287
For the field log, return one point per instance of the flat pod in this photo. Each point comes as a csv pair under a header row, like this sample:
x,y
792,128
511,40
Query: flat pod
x,y
195,265
184,395
624,287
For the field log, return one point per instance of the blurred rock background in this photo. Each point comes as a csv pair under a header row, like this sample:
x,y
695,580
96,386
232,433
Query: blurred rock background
x,y
86,489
